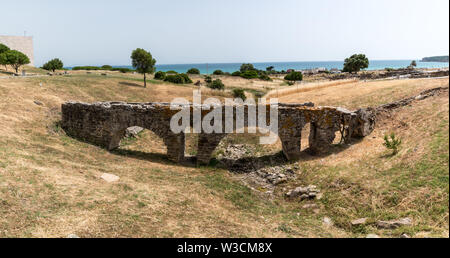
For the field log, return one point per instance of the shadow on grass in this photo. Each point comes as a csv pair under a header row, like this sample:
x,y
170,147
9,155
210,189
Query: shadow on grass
x,y
131,84
154,157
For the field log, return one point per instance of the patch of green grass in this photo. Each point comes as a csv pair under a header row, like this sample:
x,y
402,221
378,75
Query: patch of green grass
x,y
240,195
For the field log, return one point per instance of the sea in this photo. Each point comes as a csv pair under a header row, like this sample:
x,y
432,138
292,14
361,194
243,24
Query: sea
x,y
279,66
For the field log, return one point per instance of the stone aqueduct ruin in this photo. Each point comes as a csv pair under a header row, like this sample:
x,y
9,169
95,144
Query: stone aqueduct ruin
x,y
105,124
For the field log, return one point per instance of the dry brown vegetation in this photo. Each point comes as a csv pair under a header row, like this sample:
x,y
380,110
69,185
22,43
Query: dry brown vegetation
x,y
50,184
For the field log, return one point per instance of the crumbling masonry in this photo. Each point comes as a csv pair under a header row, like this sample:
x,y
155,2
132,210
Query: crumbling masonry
x,y
105,124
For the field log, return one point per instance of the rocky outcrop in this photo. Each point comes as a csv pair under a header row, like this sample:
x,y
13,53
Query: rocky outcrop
x,y
364,122
393,224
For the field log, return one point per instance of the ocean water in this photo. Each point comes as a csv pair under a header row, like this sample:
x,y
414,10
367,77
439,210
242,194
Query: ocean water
x,y
279,66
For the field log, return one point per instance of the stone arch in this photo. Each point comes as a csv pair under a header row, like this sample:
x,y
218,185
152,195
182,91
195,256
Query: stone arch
x,y
207,144
175,143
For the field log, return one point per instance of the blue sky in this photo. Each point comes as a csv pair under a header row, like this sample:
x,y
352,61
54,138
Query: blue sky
x,y
100,32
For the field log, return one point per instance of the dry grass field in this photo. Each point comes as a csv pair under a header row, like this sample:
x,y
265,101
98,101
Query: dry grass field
x,y
50,184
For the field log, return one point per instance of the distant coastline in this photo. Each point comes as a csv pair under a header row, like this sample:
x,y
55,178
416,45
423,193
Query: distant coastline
x,y
443,59
279,66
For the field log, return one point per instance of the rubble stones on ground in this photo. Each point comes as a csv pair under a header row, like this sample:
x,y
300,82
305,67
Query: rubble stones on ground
x,y
393,224
327,221
266,174
110,178
372,236
308,192
310,206
358,222
133,131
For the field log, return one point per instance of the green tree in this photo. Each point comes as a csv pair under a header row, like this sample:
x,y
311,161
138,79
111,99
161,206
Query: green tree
x,y
216,85
270,69
250,74
218,72
160,75
355,63
16,59
143,62
413,64
107,67
3,60
3,48
52,65
193,71
247,67
294,76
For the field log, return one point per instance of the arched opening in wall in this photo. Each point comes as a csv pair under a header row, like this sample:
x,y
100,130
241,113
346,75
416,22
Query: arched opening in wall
x,y
139,140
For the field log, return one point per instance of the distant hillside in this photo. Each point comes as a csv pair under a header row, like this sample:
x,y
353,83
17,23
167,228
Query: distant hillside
x,y
435,59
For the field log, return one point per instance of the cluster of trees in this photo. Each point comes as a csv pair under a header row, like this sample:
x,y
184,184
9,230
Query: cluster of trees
x,y
173,77
14,58
248,71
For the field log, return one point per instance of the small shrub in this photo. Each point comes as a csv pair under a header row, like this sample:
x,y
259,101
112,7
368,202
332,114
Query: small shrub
x,y
174,78
106,67
265,77
208,79
291,83
178,78
294,76
237,73
218,72
186,78
392,143
216,85
160,75
247,67
172,72
193,71
239,93
251,74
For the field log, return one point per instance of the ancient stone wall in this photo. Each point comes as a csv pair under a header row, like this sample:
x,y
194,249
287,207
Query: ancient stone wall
x,y
105,124
22,44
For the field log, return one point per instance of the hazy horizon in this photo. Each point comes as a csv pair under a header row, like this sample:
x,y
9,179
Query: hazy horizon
x,y
198,31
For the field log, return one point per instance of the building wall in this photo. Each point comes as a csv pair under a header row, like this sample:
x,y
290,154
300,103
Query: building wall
x,y
22,44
